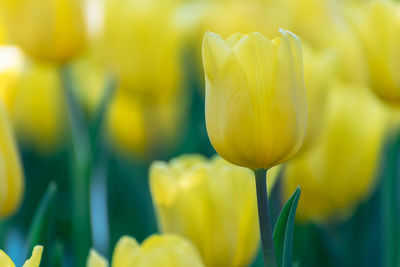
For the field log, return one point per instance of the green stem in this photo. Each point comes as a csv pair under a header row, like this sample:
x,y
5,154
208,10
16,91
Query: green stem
x,y
81,168
264,219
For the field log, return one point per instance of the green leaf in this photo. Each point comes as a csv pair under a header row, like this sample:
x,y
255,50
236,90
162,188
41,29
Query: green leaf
x,y
38,229
283,232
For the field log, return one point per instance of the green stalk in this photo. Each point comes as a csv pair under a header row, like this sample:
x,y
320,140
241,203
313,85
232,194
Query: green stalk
x,y
264,219
81,169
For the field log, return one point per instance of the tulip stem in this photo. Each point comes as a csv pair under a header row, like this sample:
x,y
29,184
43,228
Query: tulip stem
x,y
264,219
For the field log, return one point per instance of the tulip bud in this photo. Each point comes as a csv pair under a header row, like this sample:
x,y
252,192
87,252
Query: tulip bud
x,y
256,108
319,72
11,174
35,103
164,250
210,202
380,35
34,260
339,170
141,43
46,29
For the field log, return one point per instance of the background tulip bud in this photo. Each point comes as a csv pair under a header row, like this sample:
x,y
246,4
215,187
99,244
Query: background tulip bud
x,y
46,29
319,71
35,102
379,32
210,202
256,109
11,176
163,250
339,170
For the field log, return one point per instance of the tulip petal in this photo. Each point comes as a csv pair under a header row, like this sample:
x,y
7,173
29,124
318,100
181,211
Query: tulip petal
x,y
36,257
163,184
215,52
289,100
96,260
11,176
5,261
126,250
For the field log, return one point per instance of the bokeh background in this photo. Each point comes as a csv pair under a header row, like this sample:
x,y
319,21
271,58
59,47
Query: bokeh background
x,y
132,72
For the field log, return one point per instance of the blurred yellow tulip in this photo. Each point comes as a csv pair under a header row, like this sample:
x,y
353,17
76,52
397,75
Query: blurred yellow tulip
x,y
339,170
34,260
141,42
256,110
125,124
46,29
35,102
210,202
319,73
143,128
11,173
157,250
379,32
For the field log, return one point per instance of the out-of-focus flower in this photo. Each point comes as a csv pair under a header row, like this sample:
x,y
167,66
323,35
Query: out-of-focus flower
x,y
163,250
256,108
313,20
46,29
144,128
34,260
379,32
319,73
230,17
126,124
35,102
11,176
339,170
210,202
141,42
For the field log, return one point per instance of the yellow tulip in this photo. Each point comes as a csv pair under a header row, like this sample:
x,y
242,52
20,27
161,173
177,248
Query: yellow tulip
x,y
46,29
210,202
319,71
35,103
380,34
125,124
339,170
11,177
141,42
164,250
256,108
34,260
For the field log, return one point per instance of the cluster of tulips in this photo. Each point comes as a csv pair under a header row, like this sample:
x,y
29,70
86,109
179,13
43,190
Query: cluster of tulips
x,y
253,133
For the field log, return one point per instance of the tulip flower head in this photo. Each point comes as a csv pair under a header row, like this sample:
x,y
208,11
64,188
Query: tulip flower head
x,y
165,250
339,170
210,202
256,110
46,29
11,174
380,35
34,260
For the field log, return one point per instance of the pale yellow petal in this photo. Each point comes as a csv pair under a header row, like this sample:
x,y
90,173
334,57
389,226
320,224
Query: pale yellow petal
x,y
289,103
96,260
215,52
125,252
163,184
229,118
36,257
257,57
5,261
11,174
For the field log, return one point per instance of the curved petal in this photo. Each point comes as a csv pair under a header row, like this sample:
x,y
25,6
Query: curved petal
x,y
36,257
5,261
126,250
96,260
